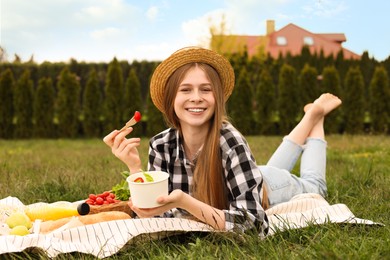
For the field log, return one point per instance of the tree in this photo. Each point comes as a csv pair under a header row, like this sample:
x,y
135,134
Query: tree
x,y
320,62
44,109
220,39
304,59
17,59
386,65
50,70
132,99
379,105
68,104
367,67
7,85
240,104
143,70
308,84
288,99
92,102
266,103
3,55
274,67
155,120
354,101
331,83
23,104
113,97
341,64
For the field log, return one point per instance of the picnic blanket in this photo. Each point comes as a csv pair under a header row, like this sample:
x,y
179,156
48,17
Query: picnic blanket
x,y
107,238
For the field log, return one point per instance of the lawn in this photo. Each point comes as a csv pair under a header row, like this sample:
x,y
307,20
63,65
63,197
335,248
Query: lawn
x,y
358,175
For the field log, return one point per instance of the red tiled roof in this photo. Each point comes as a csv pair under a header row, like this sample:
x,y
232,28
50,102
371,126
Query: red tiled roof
x,y
294,36
336,37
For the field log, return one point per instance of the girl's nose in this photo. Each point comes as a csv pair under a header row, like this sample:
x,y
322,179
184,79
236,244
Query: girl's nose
x,y
196,95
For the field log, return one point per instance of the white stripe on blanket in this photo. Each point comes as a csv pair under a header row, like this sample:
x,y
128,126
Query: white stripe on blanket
x,y
107,238
308,209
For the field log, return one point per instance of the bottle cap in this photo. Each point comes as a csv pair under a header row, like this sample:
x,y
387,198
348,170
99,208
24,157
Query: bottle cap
x,y
83,208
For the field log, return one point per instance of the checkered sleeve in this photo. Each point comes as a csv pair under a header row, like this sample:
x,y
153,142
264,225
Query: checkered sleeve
x,y
244,184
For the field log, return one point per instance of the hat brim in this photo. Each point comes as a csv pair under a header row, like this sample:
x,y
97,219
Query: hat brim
x,y
189,55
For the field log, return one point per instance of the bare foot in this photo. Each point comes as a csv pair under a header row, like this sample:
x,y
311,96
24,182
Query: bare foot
x,y
326,102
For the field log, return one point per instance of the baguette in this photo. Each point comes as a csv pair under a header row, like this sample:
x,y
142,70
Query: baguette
x,y
51,225
118,206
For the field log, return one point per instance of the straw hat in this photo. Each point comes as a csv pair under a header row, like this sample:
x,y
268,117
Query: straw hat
x,y
185,56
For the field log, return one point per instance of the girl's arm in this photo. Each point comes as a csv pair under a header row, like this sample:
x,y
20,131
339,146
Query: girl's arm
x,y
179,199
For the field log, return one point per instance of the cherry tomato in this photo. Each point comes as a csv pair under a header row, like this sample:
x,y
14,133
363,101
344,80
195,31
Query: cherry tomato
x,y
106,197
99,201
90,201
92,196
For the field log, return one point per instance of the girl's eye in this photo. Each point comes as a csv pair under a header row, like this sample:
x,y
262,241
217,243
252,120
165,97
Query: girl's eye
x,y
184,90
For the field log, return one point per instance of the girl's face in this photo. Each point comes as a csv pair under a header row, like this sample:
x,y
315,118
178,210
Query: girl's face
x,y
194,102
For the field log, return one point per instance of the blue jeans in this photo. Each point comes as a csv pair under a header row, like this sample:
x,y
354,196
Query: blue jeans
x,y
281,185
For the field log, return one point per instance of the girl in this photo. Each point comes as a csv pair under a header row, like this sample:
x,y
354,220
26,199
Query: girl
x,y
213,175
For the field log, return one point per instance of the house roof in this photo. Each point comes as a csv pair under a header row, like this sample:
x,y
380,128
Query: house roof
x,y
336,37
289,39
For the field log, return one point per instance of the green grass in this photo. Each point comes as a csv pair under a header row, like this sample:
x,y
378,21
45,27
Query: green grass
x,y
358,175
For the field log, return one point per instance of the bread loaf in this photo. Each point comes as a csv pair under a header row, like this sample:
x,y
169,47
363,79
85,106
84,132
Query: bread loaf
x,y
51,225
103,216
118,206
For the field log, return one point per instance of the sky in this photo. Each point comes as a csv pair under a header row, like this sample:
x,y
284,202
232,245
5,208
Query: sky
x,y
99,30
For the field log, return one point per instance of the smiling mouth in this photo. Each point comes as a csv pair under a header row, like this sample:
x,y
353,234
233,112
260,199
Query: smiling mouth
x,y
196,110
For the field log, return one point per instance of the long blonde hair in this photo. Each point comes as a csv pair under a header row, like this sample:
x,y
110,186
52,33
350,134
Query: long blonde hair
x,y
209,181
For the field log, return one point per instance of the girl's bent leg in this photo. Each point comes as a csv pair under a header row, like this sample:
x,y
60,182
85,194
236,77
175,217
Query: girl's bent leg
x,y
286,155
282,185
313,166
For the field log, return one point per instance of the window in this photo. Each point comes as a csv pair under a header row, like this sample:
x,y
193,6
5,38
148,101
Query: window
x,y
308,40
281,40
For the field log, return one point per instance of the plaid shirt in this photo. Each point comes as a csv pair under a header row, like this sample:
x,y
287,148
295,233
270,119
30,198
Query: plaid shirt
x,y
243,177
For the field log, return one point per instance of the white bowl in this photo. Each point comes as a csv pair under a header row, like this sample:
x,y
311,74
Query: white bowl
x,y
145,194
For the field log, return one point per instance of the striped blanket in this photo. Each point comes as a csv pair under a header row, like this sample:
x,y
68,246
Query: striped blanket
x,y
107,238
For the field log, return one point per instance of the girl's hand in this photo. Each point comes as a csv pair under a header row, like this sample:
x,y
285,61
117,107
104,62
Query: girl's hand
x,y
125,149
179,199
173,200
